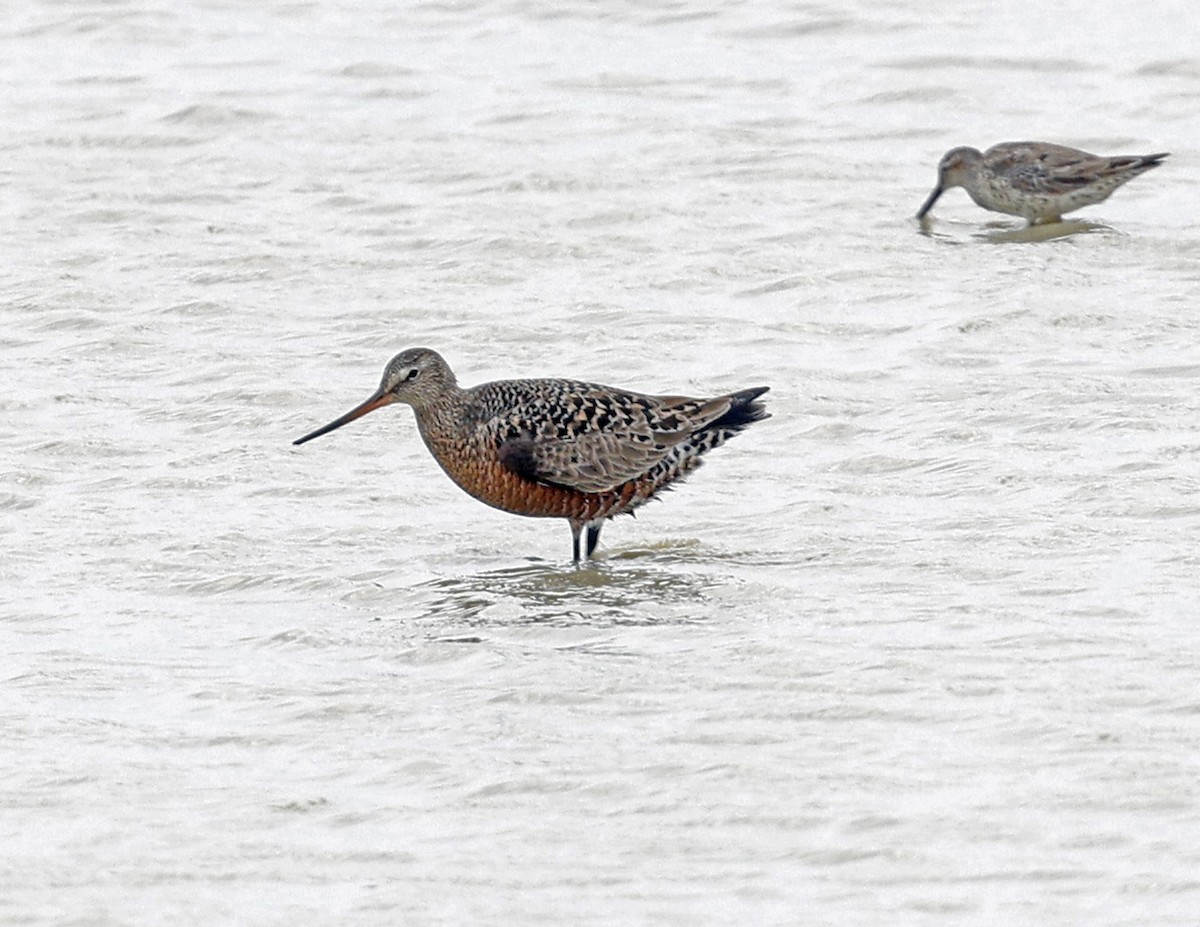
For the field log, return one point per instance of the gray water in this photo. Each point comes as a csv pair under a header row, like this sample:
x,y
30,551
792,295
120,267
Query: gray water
x,y
919,649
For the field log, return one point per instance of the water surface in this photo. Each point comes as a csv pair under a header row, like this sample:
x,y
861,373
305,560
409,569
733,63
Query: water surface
x,y
917,650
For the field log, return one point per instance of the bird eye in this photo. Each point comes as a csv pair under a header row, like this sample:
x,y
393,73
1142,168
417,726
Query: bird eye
x,y
412,374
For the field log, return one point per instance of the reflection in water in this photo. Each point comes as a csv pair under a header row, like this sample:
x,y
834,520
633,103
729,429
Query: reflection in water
x,y
1046,232
601,593
1000,232
925,227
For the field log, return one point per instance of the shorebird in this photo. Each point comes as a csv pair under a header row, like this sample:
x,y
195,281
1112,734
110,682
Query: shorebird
x,y
1035,180
556,448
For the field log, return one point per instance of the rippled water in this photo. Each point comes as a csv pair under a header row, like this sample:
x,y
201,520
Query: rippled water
x,y
919,649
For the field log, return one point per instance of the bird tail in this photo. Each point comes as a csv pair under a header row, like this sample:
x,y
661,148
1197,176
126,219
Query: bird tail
x,y
744,410
1139,164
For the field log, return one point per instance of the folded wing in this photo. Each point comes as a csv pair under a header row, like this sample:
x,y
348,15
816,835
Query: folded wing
x,y
594,439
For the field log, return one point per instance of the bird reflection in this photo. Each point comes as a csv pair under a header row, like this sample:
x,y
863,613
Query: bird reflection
x,y
1044,232
539,593
1001,232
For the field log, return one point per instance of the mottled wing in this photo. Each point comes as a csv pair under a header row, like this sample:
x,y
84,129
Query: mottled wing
x,y
1052,170
592,438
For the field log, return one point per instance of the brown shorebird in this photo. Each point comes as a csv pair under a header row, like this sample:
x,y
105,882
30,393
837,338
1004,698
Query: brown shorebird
x,y
556,448
1035,180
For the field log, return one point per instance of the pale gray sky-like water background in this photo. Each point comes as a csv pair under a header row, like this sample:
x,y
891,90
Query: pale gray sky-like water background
x,y
919,650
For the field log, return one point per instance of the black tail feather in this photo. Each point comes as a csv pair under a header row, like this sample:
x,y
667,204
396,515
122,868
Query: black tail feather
x,y
743,411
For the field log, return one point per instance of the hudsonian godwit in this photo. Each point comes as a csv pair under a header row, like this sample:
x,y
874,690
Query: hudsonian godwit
x,y
556,448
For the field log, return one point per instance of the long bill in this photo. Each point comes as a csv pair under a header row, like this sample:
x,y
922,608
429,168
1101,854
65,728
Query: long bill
x,y
378,400
928,204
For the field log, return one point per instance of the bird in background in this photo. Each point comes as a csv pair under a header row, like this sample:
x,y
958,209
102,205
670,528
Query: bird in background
x,y
553,448
1037,181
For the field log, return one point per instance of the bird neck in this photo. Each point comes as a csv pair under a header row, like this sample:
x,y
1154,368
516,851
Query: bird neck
x,y
443,413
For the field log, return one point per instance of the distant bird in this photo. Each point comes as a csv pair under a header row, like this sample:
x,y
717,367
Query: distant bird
x,y
1035,180
556,448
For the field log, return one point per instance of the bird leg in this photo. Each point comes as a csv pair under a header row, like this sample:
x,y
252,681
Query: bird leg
x,y
593,537
576,530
